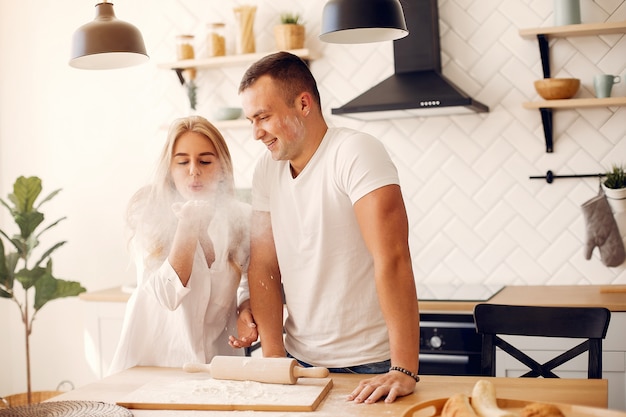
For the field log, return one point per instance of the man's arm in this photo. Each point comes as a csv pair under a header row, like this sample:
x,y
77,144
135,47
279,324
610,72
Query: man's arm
x,y
265,286
384,225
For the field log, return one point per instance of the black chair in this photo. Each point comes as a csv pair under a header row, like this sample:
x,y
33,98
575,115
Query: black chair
x,y
589,323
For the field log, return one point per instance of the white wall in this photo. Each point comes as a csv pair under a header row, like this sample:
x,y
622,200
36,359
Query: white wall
x,y
475,216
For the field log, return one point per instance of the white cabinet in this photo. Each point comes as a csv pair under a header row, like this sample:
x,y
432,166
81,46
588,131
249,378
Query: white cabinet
x,y
543,349
104,315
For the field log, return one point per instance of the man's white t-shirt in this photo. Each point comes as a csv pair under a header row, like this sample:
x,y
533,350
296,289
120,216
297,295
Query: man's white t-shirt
x,y
334,318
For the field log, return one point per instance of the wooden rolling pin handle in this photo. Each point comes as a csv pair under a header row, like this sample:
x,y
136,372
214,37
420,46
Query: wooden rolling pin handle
x,y
314,372
197,367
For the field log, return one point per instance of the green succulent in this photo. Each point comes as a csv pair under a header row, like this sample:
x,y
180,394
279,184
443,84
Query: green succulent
x,y
616,178
289,18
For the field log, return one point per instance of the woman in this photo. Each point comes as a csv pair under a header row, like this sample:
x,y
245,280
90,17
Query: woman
x,y
190,237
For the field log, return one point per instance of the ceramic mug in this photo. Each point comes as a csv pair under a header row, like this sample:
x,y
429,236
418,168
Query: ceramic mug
x,y
603,83
566,12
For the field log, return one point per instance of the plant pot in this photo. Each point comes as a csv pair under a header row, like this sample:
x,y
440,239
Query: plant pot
x,y
36,397
289,36
617,198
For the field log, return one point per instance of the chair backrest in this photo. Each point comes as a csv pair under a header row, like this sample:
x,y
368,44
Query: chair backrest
x,y
590,323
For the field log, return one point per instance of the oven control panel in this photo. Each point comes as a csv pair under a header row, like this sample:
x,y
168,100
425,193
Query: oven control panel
x,y
449,345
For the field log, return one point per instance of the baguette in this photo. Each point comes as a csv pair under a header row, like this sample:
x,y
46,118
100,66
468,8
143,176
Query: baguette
x,y
458,406
484,401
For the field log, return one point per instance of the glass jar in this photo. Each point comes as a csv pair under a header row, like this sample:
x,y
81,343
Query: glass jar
x,y
215,40
184,47
244,18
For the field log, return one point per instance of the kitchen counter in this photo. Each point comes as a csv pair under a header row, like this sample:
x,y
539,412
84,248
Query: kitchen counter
x,y
114,294
585,392
612,297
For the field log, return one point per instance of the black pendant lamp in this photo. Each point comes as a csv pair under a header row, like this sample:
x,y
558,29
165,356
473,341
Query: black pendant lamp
x,y
362,21
107,42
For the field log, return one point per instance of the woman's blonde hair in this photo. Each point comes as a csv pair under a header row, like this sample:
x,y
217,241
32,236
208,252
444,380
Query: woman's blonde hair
x,y
149,214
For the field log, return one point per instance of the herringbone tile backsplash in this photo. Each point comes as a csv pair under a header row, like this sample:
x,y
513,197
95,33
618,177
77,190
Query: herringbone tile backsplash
x,y
475,216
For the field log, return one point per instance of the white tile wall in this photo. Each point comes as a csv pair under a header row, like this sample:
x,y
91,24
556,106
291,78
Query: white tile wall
x,y
475,216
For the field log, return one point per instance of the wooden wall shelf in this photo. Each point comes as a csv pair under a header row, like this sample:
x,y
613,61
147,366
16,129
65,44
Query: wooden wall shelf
x,y
585,29
227,60
546,107
576,103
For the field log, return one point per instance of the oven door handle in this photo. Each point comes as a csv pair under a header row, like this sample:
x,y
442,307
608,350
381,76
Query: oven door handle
x,y
450,359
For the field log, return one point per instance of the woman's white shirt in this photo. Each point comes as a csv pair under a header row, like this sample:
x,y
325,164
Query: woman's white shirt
x,y
168,324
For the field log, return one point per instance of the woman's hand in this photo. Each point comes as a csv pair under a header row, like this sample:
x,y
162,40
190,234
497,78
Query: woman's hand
x,y
197,212
246,328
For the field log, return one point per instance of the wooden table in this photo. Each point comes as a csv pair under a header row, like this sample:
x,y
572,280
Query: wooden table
x,y
570,391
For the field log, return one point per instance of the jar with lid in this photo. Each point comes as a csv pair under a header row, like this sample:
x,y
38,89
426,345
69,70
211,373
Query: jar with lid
x,y
216,40
184,47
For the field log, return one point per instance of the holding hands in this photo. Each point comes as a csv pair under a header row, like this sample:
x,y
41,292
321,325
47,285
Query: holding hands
x,y
246,328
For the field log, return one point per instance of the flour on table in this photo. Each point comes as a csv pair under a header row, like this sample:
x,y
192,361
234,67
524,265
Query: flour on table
x,y
217,391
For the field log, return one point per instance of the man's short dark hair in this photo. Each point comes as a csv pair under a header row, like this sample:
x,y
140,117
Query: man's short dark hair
x,y
289,71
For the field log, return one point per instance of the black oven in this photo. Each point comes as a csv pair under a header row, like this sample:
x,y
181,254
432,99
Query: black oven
x,y
449,344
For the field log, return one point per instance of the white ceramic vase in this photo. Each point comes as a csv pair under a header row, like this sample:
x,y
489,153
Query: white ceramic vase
x,y
616,198
566,12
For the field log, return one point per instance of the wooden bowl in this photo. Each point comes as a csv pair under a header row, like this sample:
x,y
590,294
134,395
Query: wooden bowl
x,y
557,88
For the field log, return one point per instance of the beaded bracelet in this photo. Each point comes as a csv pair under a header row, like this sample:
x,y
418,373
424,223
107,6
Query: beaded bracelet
x,y
405,371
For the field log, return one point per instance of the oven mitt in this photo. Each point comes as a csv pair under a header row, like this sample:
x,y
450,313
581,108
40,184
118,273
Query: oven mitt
x,y
602,231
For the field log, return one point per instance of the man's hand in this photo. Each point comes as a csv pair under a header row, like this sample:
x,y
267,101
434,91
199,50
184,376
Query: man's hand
x,y
392,385
246,329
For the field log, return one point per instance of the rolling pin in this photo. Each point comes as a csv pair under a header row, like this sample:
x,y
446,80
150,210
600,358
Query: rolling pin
x,y
269,370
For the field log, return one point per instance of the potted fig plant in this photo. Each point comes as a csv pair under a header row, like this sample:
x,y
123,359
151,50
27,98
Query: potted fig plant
x,y
39,285
289,34
615,188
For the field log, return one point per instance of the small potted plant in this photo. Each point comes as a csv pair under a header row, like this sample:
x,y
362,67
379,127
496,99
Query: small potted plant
x,y
615,188
17,264
289,34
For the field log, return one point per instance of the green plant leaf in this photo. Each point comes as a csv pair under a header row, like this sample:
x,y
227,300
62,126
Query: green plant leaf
x,y
49,288
5,204
10,262
49,251
25,192
5,278
51,225
48,198
13,242
28,221
191,94
29,277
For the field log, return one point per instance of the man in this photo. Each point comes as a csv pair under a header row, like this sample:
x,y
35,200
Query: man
x,y
329,227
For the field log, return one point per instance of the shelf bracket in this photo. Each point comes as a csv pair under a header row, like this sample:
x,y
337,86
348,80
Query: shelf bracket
x,y
546,113
179,73
544,52
546,120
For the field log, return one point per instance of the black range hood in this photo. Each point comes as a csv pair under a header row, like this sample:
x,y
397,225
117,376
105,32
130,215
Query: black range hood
x,y
417,87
